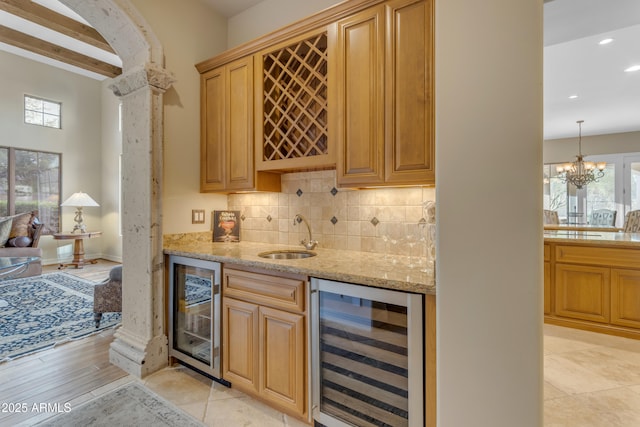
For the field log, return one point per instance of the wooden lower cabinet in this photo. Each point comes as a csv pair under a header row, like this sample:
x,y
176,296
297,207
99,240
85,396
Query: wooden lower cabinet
x,y
593,286
264,337
582,292
547,287
281,346
240,344
625,297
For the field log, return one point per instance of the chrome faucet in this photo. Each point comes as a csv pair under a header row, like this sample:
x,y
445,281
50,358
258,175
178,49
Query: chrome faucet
x,y
310,243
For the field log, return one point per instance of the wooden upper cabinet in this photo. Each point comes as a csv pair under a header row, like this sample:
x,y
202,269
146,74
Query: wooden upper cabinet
x,y
240,123
409,133
384,95
358,101
291,104
212,131
350,87
227,147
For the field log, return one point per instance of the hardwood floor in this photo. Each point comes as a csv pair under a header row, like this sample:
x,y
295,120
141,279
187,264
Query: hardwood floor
x,y
57,376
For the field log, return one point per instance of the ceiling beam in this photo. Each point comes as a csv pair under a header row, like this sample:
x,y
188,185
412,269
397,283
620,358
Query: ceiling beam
x,y
50,50
54,21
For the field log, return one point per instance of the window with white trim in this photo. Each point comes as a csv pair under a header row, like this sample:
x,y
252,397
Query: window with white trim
x,y
42,112
618,189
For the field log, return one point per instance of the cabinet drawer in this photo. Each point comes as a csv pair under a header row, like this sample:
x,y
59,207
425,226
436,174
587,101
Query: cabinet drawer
x,y
275,291
615,257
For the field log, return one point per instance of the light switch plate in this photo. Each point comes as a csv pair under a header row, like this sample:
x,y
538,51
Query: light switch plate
x,y
197,216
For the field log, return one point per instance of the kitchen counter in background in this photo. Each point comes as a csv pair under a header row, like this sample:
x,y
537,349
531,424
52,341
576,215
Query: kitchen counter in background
x,y
593,238
365,268
592,281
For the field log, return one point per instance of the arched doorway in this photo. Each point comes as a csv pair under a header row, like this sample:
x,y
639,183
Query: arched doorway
x,y
140,346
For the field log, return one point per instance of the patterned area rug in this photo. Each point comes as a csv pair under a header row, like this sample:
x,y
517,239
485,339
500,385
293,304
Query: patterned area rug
x,y
39,312
130,405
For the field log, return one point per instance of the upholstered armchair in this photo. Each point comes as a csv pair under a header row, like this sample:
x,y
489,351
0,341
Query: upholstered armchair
x,y
107,296
632,222
551,217
605,217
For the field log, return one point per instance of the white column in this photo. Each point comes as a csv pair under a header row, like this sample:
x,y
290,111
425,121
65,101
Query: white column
x,y
140,345
489,194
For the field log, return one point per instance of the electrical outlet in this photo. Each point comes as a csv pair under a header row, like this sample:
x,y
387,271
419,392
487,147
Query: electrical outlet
x,y
197,216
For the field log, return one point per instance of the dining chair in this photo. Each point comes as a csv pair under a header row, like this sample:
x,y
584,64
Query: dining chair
x,y
632,222
604,217
551,217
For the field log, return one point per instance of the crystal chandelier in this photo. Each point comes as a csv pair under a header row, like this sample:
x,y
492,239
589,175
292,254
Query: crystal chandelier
x,y
581,173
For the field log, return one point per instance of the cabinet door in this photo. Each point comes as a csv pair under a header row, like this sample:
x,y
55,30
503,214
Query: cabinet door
x,y
239,122
212,130
582,292
283,355
625,297
359,98
547,287
240,363
409,130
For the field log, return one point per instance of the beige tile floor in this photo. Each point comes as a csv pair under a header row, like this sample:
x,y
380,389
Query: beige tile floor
x,y
590,379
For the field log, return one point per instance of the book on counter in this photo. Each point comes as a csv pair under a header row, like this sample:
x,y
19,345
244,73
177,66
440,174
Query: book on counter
x,y
226,226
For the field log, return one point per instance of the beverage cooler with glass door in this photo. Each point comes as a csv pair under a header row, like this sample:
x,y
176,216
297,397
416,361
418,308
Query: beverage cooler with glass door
x,y
194,313
367,356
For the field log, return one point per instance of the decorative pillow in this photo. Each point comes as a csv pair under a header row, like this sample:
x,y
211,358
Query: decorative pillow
x,y
19,242
20,226
5,230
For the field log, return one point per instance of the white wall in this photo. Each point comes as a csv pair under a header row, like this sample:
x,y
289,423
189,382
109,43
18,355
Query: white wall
x,y
79,139
111,151
566,149
189,32
489,165
270,15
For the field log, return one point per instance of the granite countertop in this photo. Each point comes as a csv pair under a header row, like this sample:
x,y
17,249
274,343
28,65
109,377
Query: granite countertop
x,y
593,238
363,268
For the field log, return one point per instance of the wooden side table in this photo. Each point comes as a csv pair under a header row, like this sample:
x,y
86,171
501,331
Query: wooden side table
x,y
78,247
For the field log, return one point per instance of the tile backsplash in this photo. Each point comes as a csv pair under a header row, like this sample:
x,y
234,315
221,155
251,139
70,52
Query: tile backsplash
x,y
339,218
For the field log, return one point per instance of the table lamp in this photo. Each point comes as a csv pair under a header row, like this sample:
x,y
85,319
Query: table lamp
x,y
79,200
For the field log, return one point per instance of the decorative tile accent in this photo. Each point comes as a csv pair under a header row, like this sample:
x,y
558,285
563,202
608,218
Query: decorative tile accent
x,y
340,219
269,218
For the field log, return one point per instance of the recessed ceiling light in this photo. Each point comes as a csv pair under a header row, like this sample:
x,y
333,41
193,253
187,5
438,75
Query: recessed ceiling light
x,y
573,96
632,68
605,41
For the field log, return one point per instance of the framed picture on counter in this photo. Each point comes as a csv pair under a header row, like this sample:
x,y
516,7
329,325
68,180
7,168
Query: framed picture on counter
x,y
226,226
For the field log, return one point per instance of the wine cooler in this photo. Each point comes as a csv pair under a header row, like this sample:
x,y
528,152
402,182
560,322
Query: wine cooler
x,y
367,356
194,315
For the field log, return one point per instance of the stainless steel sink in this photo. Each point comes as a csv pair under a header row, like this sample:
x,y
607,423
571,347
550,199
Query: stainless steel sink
x,y
287,254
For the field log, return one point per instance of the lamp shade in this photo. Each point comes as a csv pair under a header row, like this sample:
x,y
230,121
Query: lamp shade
x,y
79,199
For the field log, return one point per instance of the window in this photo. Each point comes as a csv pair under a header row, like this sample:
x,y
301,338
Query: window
x,y
30,180
632,171
615,190
41,112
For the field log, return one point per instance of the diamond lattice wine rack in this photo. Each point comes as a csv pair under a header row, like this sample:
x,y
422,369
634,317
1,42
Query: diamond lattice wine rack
x,y
295,103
